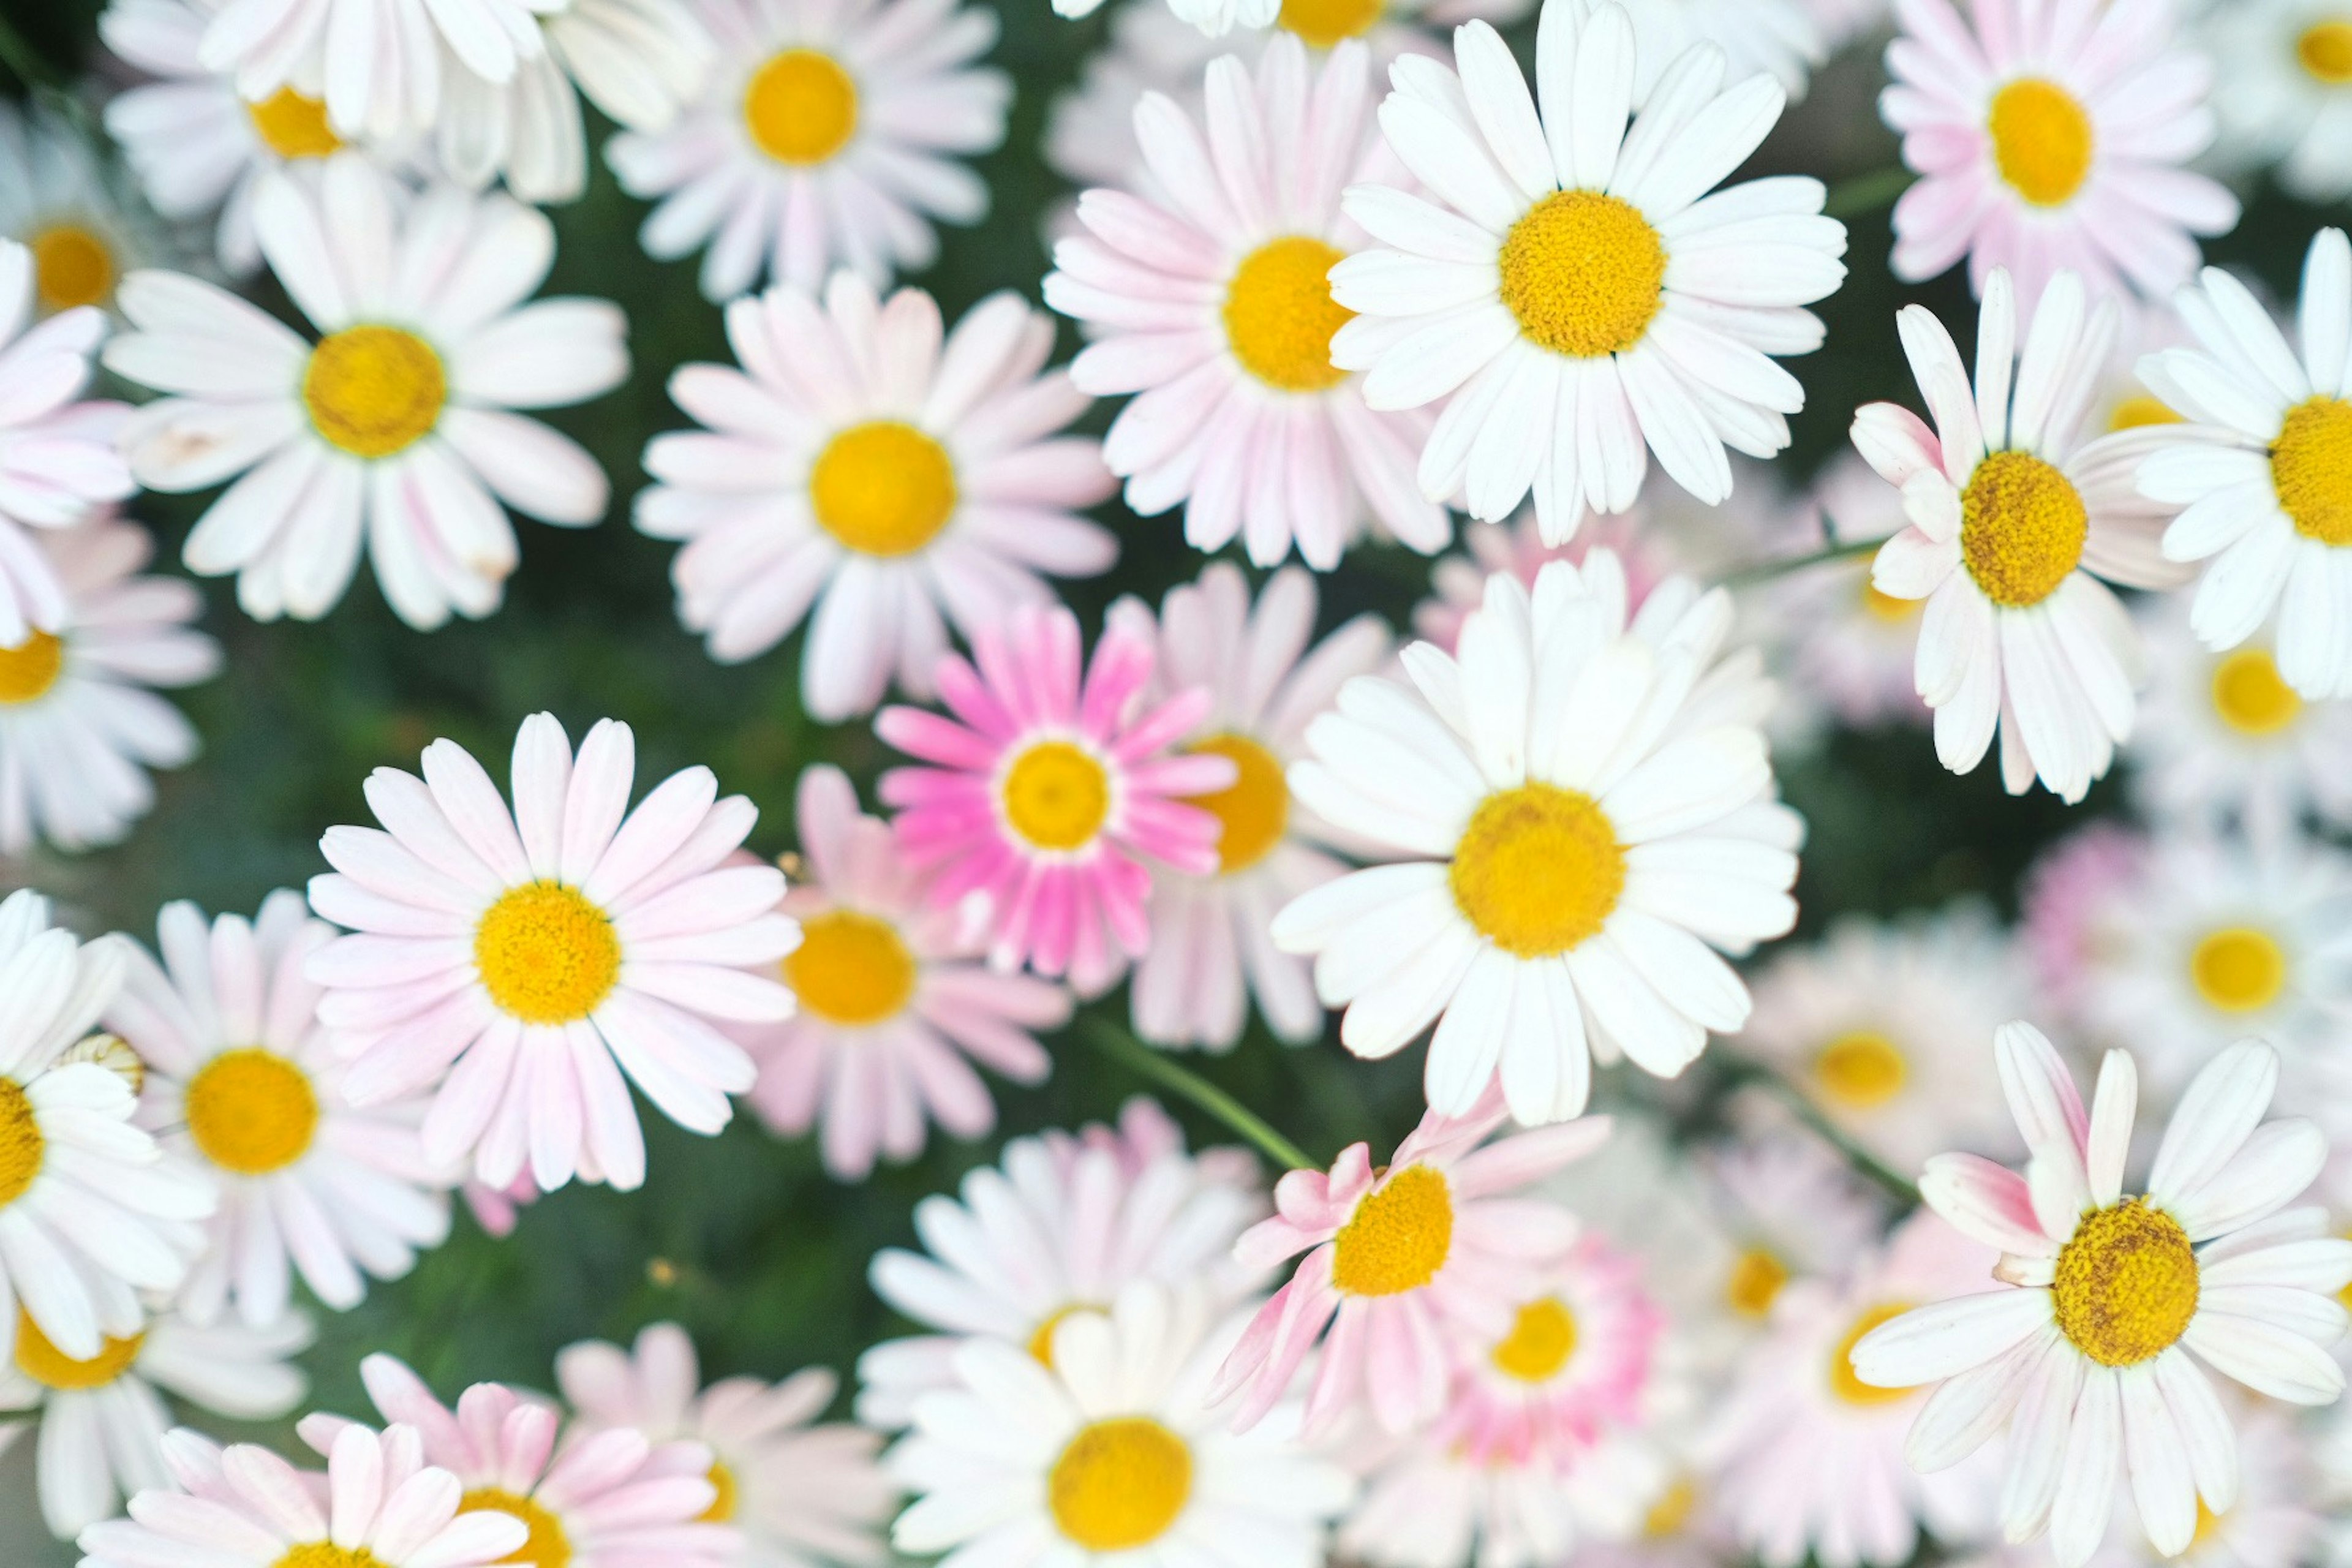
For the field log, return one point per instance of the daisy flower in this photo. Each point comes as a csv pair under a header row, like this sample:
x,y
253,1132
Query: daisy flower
x,y
1045,790
1061,1225
830,136
393,427
862,466
1457,580
2067,899
241,1082
1109,1451
100,1421
2050,138
1841,642
2278,1521
1208,300
1569,293
2263,482
1211,954
2282,91
523,958
2087,1357
1781,38
1575,808
800,1494
891,1001
56,200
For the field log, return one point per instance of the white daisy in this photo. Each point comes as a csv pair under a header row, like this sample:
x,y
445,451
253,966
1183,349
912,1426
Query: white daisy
x,y
2280,1519
1579,810
866,473
1575,301
835,133
1782,38
392,427
1457,580
2283,91
55,199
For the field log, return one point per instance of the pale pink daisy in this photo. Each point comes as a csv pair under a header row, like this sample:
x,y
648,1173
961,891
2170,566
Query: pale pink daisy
x,y
1458,579
2065,900
522,958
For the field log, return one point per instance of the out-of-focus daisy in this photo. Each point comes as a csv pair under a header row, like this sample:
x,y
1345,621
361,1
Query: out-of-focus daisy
x,y
522,958
2089,1354
1109,1450
863,473
2049,140
1210,301
800,1494
891,1001
1578,810
2283,91
1061,1225
1782,38
240,1081
100,1421
393,427
1573,299
830,136
2065,900
1046,786
1210,952
55,200
1458,579
1842,21
1845,645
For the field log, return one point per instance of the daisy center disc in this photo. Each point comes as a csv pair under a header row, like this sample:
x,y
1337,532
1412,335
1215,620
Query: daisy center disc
x,y
1584,273
30,669
1399,1237
2249,695
1754,1283
2140,411
252,1112
2325,51
373,391
1843,1382
1253,810
1861,1071
22,1146
1538,871
2126,1283
722,1506
801,108
1279,314
547,954
1325,24
1542,1338
327,1555
545,1547
1120,1483
2041,139
50,1367
2238,970
71,266
293,125
850,968
883,488
2311,468
1672,1510
2022,524
1056,796
1041,1343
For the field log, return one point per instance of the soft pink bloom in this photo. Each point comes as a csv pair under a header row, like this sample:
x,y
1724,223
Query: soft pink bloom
x,y
2068,895
496,1209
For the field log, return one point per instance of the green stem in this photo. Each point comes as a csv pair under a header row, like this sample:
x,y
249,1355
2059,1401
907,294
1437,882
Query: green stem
x,y
1163,1070
1766,570
24,61
1896,1184
1866,193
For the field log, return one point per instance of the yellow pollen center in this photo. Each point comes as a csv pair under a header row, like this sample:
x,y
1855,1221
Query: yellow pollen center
x,y
1324,24
2325,51
545,1547
252,1112
1538,871
883,488
1755,1282
1120,1483
547,954
71,266
1279,314
2139,411
1252,811
22,1146
1884,606
2239,968
850,968
1672,1510
2207,1521
30,669
2250,696
722,1507
2126,1283
2041,139
801,108
2311,469
1584,273
294,125
327,1555
1056,796
1542,1338
1397,1237
1041,1343
1861,1071
50,1367
373,391
1843,1382
2022,525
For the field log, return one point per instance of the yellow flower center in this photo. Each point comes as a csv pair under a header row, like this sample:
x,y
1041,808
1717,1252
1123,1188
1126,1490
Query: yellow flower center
x,y
327,1555
1041,1343
1886,607
1542,1338
2207,1521
294,125
1843,1382
1584,273
1279,314
850,968
1397,1237
1672,1510
22,1147
1120,1483
2139,411
373,391
2239,968
2249,695
2022,525
546,954
883,488
2311,468
801,108
1755,1282
1056,796
252,1112
722,1507
1538,871
1861,1071
1323,23
2325,50
2127,1284
71,266
1252,811
50,1367
30,669
545,1547
2041,139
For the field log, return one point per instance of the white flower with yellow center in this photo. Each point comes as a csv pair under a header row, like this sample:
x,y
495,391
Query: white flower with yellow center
x,y
56,200
393,427
2087,1360
2283,91
1110,1452
1569,293
1579,810
829,136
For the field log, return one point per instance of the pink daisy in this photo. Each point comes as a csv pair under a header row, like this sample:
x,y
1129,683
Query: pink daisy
x,y
1047,791
1399,1259
533,953
2068,896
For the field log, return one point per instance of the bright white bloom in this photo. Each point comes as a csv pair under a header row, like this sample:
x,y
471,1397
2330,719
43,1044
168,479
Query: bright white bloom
x,y
1458,579
393,427
2282,89
57,199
